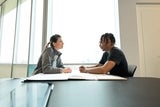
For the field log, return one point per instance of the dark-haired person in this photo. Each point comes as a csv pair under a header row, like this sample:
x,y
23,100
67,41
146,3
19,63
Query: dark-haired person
x,y
50,59
113,60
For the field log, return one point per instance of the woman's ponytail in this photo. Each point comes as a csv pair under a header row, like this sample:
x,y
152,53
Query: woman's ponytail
x,y
46,46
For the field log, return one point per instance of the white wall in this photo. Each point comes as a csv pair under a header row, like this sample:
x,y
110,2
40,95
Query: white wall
x,y
128,30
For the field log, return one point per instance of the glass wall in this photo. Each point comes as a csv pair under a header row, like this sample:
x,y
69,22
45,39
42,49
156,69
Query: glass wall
x,y
81,23
21,37
8,19
26,24
35,45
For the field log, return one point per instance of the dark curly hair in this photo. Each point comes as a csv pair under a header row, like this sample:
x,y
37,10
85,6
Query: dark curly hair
x,y
108,36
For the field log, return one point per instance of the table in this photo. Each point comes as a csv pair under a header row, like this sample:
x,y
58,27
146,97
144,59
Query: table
x,y
135,92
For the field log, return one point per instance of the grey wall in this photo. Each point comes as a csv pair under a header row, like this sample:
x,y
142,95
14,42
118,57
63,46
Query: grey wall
x,y
128,29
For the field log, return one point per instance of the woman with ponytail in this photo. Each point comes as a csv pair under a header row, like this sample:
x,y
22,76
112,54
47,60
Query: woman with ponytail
x,y
50,59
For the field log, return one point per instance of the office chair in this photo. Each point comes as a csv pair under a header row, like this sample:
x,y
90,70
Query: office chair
x,y
131,70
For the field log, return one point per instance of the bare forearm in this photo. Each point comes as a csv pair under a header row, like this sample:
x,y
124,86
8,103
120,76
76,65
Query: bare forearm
x,y
97,65
96,70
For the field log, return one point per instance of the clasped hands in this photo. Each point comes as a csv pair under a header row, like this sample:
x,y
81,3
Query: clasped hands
x,y
82,69
69,70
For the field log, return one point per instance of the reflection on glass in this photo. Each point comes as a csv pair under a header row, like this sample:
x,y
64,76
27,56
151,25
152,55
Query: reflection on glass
x,y
27,95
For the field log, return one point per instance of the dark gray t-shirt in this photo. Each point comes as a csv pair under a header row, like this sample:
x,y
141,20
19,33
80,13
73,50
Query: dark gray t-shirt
x,y
116,55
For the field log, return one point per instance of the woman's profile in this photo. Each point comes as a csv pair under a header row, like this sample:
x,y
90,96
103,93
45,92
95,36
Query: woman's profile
x,y
50,60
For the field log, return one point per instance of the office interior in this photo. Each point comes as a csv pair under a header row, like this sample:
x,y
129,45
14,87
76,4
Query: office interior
x,y
133,38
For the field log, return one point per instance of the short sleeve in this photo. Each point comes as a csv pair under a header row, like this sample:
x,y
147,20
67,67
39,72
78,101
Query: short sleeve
x,y
104,58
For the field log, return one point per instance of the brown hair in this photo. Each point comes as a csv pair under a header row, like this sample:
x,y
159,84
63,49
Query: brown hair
x,y
54,39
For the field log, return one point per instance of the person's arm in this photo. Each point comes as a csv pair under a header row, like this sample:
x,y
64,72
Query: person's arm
x,y
66,70
82,68
61,65
100,69
97,65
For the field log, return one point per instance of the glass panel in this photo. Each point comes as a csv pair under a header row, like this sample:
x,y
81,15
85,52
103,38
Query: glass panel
x,y
26,95
81,23
36,34
7,37
22,39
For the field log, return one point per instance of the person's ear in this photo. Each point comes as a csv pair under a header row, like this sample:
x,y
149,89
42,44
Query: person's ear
x,y
53,43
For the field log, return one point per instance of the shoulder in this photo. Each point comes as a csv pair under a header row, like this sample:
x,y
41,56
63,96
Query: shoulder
x,y
116,49
51,51
48,50
116,52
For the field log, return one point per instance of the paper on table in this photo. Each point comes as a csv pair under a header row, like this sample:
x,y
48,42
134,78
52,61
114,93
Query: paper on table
x,y
67,76
48,77
109,77
88,76
85,76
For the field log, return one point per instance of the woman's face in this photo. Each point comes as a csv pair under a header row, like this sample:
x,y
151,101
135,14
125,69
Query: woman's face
x,y
59,44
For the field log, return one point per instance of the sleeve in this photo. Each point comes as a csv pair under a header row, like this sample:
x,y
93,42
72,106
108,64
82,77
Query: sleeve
x,y
47,62
116,56
59,63
104,58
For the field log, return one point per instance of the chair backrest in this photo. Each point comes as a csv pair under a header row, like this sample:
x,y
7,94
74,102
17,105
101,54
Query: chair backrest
x,y
131,69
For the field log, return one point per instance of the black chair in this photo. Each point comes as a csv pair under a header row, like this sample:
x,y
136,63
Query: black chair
x,y
131,70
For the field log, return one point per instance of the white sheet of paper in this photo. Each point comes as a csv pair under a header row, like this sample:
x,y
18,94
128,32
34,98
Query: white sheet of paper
x,y
48,77
75,75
